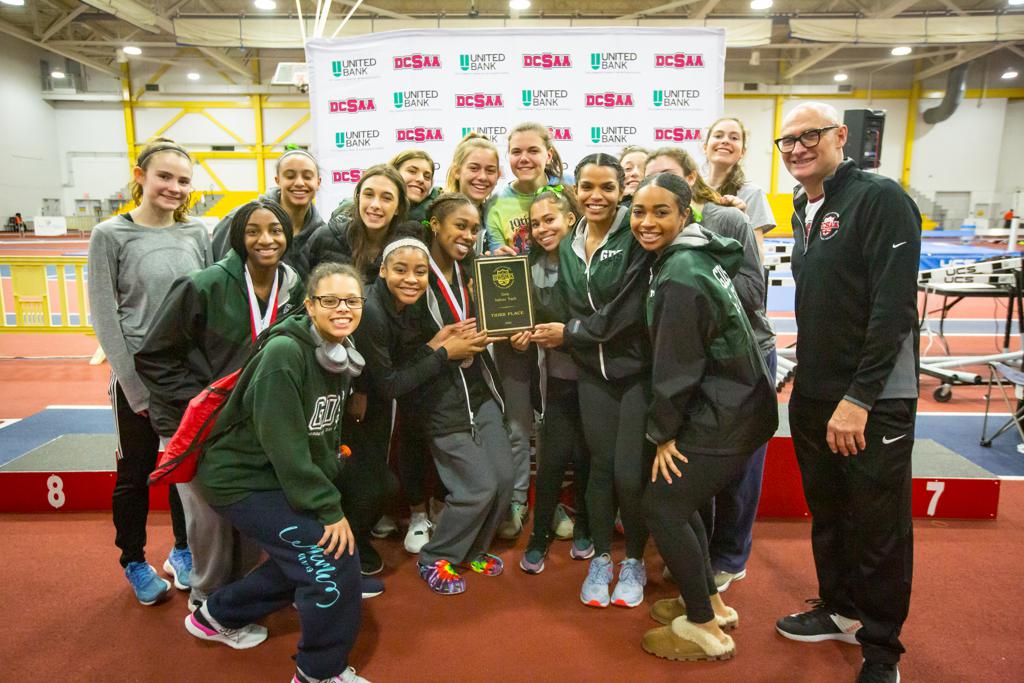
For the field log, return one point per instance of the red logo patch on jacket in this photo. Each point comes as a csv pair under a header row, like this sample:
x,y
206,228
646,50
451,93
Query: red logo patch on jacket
x,y
829,226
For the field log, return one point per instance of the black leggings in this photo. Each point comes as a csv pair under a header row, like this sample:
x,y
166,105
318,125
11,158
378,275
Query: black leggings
x,y
137,446
561,443
671,511
614,420
366,483
415,462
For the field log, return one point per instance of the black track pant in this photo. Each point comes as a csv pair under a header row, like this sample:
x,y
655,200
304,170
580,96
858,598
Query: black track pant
x,y
366,483
614,422
137,446
862,534
671,511
415,463
561,444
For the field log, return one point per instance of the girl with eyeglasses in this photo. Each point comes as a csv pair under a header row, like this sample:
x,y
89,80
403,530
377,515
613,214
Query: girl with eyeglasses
x,y
204,330
269,469
134,258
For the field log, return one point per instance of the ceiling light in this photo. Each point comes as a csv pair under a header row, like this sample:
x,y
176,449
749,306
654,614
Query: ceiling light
x,y
193,76
58,74
16,3
1009,73
840,77
519,5
131,50
760,4
265,4
901,51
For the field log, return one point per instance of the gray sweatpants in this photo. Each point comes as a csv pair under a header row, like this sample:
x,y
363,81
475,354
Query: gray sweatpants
x,y
515,369
478,475
220,554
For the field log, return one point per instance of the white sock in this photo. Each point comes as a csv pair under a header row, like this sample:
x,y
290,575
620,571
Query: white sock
x,y
417,517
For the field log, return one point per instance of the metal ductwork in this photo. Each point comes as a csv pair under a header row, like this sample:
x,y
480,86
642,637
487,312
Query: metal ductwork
x,y
956,84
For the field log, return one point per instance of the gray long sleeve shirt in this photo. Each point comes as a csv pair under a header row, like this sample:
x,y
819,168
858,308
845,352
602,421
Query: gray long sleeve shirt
x,y
131,269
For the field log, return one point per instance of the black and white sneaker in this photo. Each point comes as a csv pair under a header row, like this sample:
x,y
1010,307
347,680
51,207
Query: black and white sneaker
x,y
817,625
874,672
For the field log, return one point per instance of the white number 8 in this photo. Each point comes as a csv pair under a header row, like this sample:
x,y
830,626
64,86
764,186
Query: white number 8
x,y
55,485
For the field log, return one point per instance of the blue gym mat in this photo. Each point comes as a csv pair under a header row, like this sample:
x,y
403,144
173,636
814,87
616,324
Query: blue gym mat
x,y
962,434
45,426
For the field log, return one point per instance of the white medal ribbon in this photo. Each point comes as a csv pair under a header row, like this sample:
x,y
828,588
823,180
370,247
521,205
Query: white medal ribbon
x,y
260,323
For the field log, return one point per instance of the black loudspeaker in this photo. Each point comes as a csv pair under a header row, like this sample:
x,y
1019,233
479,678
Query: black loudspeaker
x,y
864,139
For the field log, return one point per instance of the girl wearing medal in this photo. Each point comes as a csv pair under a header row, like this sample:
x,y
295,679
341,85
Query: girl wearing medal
x,y
462,414
203,331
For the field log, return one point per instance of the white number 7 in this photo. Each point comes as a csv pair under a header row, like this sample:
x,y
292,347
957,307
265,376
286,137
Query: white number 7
x,y
937,487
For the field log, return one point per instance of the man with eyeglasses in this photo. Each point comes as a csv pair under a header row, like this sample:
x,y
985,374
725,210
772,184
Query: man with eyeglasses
x,y
855,261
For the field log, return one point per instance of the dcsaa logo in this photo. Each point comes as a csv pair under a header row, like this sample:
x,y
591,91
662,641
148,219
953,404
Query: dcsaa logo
x,y
419,134
350,175
677,134
353,105
679,60
609,100
417,62
479,100
560,134
547,60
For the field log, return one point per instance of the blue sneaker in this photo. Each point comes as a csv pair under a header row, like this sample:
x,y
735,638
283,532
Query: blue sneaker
x,y
149,588
179,565
372,587
533,561
629,591
595,587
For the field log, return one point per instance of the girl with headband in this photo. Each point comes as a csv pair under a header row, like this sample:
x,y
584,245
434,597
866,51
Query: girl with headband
x,y
134,258
297,176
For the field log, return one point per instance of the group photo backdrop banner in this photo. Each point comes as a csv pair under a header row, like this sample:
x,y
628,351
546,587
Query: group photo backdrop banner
x,y
595,89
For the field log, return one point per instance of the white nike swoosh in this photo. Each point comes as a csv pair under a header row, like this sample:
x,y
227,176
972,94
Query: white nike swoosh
x,y
896,246
886,441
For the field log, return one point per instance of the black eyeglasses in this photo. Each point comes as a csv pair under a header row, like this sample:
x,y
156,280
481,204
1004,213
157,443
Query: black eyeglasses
x,y
809,138
329,301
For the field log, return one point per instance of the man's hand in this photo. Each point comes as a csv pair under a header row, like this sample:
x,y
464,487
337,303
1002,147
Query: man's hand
x,y
846,429
549,335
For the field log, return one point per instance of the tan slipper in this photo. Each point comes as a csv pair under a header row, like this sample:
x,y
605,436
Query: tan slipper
x,y
683,641
664,611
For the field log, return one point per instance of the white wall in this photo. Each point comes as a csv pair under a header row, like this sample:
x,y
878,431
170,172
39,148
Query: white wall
x,y
92,151
29,166
1010,176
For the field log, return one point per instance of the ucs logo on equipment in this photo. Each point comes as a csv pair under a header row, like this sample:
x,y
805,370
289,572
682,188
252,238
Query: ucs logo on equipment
x,y
675,99
352,68
348,175
544,99
415,99
419,134
482,61
612,61
492,132
612,135
356,139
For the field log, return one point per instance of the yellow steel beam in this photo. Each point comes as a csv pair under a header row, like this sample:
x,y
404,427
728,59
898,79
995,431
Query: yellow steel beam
x,y
284,105
261,166
220,125
183,104
776,133
206,167
129,113
294,127
908,139
174,119
267,154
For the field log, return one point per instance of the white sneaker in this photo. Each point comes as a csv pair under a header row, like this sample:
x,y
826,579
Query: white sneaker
x,y
203,626
346,676
513,524
418,534
384,527
562,525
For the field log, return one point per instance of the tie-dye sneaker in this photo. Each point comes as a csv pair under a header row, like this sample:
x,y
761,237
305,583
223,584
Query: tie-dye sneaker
x,y
487,564
442,578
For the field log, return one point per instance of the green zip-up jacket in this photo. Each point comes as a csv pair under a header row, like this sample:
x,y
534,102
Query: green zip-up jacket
x,y
201,333
280,428
601,301
710,390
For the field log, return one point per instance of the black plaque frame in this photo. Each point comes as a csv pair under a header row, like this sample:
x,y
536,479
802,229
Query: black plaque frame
x,y
492,298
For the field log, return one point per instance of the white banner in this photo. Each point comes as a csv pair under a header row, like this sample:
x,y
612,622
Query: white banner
x,y
596,90
49,226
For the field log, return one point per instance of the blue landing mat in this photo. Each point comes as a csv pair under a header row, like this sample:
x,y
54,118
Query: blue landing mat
x,y
962,434
934,254
45,426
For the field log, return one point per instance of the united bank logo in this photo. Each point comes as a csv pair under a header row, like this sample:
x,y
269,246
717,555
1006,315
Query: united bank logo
x,y
419,134
415,99
677,134
544,99
675,99
609,100
356,139
560,134
348,175
352,105
481,61
479,100
417,62
349,68
612,61
679,60
547,60
611,135
493,132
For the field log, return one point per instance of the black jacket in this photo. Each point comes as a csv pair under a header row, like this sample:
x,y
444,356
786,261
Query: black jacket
x,y
330,243
296,254
856,290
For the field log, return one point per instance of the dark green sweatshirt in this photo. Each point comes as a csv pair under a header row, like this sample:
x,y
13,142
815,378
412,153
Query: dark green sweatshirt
x,y
280,429
710,388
